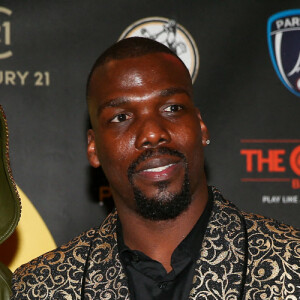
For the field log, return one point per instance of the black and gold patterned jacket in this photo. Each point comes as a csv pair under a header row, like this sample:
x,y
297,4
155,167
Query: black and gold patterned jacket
x,y
243,256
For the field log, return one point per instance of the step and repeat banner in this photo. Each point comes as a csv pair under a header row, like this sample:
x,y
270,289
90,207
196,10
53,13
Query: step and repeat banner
x,y
243,56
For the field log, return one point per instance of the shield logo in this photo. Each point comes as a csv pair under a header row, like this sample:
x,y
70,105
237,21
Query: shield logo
x,y
283,32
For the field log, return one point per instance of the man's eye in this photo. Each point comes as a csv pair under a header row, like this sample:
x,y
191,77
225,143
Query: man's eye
x,y
173,108
120,118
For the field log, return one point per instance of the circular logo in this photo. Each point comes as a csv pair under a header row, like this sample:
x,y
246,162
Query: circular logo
x,y
171,34
295,160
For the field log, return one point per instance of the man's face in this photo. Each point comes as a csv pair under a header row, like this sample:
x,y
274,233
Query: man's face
x,y
147,134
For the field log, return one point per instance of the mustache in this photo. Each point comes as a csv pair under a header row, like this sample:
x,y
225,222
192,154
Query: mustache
x,y
148,153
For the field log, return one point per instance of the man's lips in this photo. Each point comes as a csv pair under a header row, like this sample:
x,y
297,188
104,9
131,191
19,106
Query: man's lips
x,y
156,164
157,169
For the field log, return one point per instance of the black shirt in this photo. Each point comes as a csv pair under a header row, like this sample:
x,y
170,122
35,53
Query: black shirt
x,y
148,279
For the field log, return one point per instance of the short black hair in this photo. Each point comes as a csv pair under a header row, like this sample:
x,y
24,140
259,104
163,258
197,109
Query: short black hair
x,y
130,48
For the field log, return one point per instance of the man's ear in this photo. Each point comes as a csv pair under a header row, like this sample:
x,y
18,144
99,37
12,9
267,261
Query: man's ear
x,y
204,130
91,149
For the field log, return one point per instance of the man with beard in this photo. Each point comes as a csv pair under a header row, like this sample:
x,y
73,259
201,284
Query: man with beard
x,y
170,236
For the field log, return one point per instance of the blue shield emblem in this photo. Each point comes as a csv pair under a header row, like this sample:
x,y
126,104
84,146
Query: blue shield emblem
x,y
283,32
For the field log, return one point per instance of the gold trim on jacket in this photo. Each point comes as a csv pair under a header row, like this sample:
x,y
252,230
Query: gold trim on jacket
x,y
243,256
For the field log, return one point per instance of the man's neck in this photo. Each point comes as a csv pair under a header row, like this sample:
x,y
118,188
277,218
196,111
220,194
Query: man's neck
x,y
159,239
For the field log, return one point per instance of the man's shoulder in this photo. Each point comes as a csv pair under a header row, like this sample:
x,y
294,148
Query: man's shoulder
x,y
58,274
67,260
270,249
257,224
269,238
273,258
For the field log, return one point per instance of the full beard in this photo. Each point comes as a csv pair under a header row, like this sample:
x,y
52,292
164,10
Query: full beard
x,y
165,205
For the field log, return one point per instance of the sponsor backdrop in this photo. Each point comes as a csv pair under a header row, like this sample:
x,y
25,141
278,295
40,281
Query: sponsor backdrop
x,y
244,57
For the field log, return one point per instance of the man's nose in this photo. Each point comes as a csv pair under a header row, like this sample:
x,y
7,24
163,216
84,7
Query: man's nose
x,y
151,132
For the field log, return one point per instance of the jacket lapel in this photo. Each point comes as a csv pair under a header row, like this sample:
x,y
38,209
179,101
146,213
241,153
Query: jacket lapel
x,y
220,270
105,277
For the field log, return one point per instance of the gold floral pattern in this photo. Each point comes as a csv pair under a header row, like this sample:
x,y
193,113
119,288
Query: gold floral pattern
x,y
55,275
221,267
273,261
243,256
105,277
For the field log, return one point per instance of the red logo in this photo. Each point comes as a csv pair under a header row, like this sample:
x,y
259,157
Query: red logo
x,y
272,161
